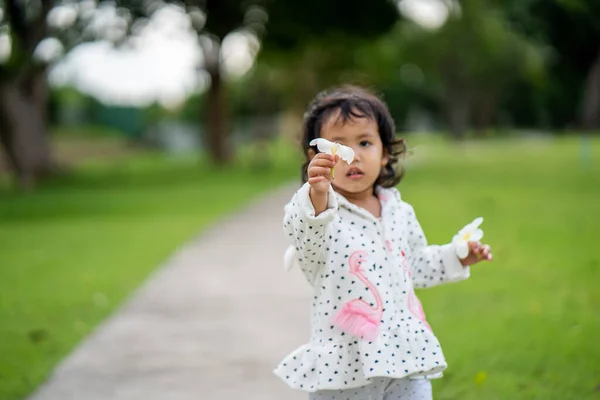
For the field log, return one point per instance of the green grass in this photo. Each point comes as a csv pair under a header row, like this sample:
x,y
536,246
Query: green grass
x,y
525,326
71,252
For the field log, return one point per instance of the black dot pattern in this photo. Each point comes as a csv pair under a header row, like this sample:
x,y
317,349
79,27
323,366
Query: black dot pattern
x,y
381,389
396,260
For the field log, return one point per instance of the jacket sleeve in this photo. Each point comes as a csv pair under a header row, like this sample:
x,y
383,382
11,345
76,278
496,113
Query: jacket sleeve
x,y
431,265
310,235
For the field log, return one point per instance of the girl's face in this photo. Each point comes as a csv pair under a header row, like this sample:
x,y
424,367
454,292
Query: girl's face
x,y
362,135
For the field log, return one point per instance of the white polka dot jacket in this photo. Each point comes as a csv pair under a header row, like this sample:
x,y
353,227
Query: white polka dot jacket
x,y
366,320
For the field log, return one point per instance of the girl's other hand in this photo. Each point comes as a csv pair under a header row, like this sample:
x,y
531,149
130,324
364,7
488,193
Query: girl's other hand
x,y
477,252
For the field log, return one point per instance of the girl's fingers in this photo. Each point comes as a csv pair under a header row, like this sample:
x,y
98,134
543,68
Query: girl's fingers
x,y
316,179
323,156
483,252
322,162
316,171
487,252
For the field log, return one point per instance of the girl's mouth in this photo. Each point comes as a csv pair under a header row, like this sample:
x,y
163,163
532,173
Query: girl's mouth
x,y
354,173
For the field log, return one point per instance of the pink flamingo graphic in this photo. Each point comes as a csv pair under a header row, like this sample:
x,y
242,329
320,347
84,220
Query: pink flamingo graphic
x,y
414,304
357,316
416,308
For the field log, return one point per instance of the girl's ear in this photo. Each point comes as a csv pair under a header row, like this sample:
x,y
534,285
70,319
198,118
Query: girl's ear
x,y
311,153
384,158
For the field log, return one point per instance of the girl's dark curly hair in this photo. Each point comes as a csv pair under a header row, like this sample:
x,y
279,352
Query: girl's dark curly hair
x,y
355,102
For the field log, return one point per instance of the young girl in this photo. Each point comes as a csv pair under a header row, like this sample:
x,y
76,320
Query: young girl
x,y
363,251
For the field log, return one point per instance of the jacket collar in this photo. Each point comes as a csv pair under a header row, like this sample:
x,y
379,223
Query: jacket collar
x,y
387,197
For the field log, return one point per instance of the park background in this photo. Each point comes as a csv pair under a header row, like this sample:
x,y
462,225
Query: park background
x,y
129,127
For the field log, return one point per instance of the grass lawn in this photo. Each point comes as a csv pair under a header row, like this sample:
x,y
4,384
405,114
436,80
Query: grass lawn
x,y
71,252
523,327
527,325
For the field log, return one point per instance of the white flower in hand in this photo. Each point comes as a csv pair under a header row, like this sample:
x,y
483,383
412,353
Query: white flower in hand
x,y
470,233
325,146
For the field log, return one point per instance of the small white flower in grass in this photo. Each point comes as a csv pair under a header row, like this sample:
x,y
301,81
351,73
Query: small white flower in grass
x,y
325,146
470,233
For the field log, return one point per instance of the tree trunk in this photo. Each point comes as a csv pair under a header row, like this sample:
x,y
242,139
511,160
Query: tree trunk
x,y
23,130
216,119
457,111
483,113
590,109
457,96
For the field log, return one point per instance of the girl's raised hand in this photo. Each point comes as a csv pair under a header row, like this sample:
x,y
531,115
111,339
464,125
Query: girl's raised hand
x,y
319,172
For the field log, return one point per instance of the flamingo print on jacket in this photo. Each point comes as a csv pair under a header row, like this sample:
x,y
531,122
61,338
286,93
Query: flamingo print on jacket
x,y
357,316
414,304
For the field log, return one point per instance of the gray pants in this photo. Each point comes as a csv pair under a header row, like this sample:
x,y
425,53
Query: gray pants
x,y
381,389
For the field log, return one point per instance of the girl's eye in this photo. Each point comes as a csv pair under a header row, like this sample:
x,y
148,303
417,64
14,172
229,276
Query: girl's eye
x,y
365,143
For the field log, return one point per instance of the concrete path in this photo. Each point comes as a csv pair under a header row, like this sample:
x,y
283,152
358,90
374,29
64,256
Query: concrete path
x,y
212,323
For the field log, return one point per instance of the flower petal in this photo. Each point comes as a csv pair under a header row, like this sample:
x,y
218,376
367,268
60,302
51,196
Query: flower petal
x,y
476,222
476,235
466,229
471,227
462,249
323,145
346,153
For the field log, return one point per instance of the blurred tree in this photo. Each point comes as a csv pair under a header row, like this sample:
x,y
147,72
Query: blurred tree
x,y
296,29
467,63
23,91
222,18
306,47
313,44
37,33
572,29
214,21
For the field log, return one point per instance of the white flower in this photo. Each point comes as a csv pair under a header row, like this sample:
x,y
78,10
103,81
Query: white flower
x,y
325,146
470,233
